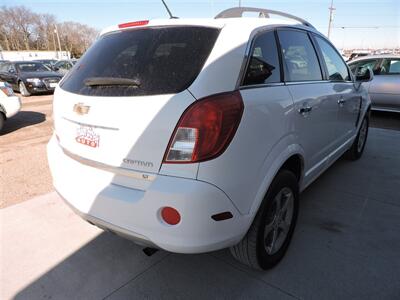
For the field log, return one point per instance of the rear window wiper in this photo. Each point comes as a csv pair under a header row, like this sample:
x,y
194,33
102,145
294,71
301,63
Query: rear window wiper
x,y
108,81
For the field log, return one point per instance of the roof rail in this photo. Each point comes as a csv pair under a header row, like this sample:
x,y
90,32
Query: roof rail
x,y
237,12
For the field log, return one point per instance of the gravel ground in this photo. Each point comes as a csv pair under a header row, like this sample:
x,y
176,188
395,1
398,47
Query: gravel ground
x,y
24,169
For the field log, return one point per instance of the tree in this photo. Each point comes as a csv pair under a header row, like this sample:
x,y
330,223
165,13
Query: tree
x,y
22,29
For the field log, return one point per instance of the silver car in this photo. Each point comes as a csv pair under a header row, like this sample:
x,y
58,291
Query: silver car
x,y
384,89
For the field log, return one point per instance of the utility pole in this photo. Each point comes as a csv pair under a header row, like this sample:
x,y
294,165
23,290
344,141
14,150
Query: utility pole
x,y
58,39
331,9
54,43
240,3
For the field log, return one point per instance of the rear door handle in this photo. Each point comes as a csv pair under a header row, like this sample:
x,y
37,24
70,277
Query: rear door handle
x,y
305,110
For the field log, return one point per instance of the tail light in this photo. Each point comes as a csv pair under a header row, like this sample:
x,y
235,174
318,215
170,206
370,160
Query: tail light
x,y
205,129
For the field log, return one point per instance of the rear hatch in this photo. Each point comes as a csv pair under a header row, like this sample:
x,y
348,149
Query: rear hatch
x,y
121,102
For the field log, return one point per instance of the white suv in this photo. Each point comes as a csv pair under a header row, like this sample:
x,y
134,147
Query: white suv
x,y
193,135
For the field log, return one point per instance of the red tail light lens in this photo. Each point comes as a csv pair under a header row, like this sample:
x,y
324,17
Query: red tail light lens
x,y
205,129
133,24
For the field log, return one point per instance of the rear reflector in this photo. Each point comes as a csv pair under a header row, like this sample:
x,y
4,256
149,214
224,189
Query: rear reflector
x,y
205,129
170,215
133,24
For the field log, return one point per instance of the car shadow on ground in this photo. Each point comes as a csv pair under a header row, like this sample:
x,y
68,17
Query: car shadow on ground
x,y
21,120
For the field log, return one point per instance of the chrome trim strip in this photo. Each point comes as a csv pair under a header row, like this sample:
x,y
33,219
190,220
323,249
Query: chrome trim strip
x,y
305,82
261,85
90,125
385,109
116,170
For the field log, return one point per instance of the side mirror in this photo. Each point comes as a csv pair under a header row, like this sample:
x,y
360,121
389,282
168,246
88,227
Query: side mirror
x,y
364,74
12,71
56,69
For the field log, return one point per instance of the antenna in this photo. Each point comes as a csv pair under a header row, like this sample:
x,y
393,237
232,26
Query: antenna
x,y
169,12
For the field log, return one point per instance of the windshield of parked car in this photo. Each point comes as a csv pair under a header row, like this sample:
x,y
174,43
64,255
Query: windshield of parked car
x,y
32,67
164,60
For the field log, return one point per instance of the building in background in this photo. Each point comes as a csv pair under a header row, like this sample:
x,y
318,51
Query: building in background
x,y
33,55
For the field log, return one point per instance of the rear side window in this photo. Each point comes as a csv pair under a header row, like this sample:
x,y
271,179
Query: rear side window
x,y
300,60
390,66
264,61
146,61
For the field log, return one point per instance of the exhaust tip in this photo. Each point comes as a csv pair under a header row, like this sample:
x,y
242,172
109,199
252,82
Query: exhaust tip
x,y
149,251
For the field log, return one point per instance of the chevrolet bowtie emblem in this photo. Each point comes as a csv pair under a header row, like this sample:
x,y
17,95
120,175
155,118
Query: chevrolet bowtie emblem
x,y
81,109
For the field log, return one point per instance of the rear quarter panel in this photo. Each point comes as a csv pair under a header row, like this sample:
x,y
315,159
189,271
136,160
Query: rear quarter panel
x,y
264,140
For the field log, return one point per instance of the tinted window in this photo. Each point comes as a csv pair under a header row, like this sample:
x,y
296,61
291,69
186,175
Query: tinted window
x,y
61,65
337,69
390,66
300,59
370,63
160,60
264,61
31,67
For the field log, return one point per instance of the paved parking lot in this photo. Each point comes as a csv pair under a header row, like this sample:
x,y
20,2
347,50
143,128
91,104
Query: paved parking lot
x,y
346,246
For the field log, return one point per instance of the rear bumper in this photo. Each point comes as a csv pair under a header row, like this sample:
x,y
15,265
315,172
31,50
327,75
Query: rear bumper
x,y
98,197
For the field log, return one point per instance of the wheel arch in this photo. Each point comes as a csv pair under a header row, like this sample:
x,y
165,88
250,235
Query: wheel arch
x,y
294,164
291,159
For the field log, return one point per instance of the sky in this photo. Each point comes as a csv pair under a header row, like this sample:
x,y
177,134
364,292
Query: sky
x,y
356,23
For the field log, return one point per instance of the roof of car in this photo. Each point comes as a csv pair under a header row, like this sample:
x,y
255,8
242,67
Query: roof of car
x,y
246,23
377,56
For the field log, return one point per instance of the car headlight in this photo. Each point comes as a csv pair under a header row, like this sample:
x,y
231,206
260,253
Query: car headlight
x,y
34,80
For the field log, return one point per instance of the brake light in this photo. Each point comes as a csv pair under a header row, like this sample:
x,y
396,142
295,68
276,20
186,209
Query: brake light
x,y
133,24
205,129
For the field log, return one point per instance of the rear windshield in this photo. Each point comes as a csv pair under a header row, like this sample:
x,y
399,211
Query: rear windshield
x,y
146,61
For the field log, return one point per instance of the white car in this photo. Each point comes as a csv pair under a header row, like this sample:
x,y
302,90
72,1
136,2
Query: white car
x,y
10,104
193,135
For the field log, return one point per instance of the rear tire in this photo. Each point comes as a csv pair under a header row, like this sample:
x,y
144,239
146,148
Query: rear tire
x,y
357,149
270,234
23,90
